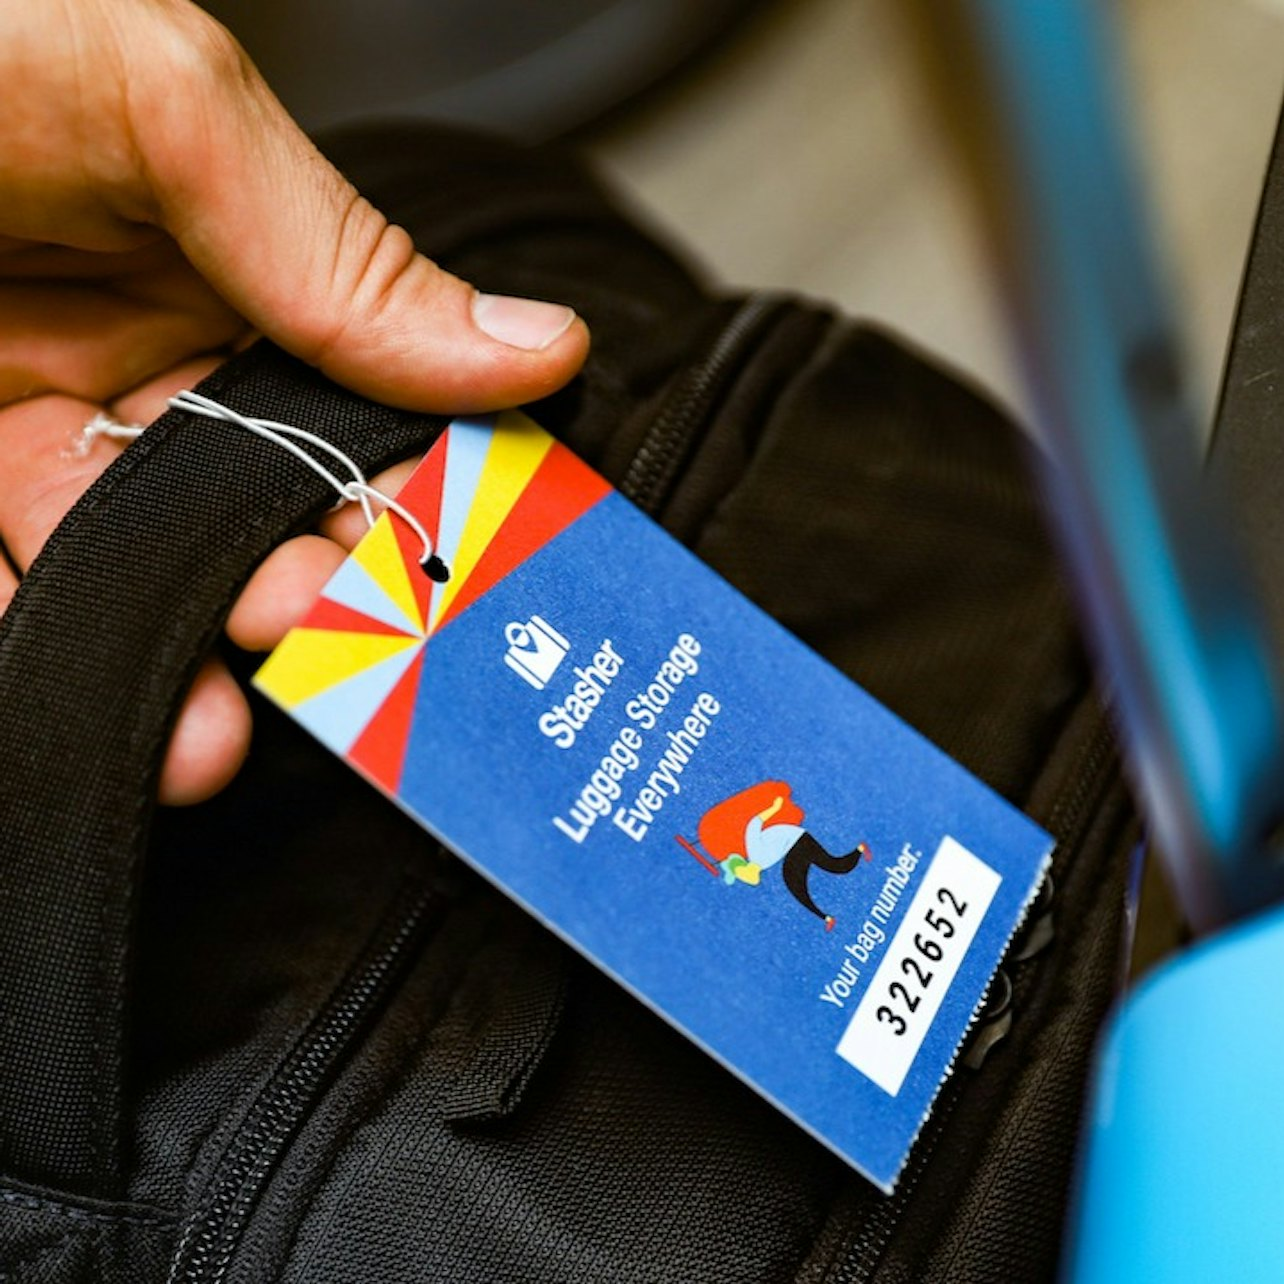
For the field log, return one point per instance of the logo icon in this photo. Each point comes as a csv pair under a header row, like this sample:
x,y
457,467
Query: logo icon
x,y
535,649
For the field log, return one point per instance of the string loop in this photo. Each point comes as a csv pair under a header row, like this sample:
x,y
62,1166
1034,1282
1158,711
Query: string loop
x,y
355,489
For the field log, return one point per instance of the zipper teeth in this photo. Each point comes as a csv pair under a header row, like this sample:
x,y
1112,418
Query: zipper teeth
x,y
656,463
207,1244
879,1222
206,1247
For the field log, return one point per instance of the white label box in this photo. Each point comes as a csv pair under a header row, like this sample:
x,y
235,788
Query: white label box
x,y
896,1012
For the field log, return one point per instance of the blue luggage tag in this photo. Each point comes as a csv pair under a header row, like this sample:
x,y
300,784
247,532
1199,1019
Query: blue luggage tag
x,y
657,770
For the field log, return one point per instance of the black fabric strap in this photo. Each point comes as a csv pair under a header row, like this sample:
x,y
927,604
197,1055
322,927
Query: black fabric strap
x,y
1247,455
113,620
105,634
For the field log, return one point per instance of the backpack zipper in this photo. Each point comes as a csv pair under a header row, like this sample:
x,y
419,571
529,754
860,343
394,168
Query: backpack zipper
x,y
686,408
212,1234
878,1220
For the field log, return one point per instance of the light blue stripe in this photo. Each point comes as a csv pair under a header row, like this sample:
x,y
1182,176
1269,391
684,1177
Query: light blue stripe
x,y
352,585
340,714
466,448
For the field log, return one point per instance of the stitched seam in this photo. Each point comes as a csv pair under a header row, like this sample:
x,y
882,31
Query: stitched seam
x,y
1032,1081
943,1108
212,1143
165,653
202,1191
115,968
85,1216
105,1123
351,1125
1045,1067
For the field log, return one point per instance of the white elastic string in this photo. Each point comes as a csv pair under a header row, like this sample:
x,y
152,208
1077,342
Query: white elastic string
x,y
197,404
358,490
103,425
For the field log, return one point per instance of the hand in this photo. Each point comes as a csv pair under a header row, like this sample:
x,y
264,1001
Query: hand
x,y
769,812
158,207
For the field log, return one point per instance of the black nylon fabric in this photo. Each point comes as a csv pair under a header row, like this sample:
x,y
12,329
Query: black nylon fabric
x,y
104,636
498,1111
629,1157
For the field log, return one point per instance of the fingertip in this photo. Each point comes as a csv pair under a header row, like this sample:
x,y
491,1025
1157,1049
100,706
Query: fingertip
x,y
521,350
563,360
210,740
282,591
531,325
433,343
150,400
346,526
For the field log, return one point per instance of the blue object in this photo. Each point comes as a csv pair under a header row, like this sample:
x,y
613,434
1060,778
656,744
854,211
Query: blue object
x,y
1175,624
1184,1172
1182,1179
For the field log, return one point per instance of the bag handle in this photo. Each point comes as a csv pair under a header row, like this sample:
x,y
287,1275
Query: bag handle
x,y
97,650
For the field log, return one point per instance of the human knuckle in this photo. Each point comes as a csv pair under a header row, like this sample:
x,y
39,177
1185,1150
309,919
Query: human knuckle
x,y
201,50
371,259
377,255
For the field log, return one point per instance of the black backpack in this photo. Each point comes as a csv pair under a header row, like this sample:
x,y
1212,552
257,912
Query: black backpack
x,y
285,1036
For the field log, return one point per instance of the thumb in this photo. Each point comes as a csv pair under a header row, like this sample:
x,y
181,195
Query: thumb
x,y
290,244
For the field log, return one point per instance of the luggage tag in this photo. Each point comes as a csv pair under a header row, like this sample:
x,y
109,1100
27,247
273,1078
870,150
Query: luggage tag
x,y
657,770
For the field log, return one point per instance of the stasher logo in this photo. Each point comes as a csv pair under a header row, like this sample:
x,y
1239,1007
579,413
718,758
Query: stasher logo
x,y
535,650
656,704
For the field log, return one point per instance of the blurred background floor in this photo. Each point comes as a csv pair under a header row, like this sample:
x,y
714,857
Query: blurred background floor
x,y
799,150
802,154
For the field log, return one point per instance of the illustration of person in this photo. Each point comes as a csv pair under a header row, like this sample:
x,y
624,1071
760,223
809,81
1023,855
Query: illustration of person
x,y
761,827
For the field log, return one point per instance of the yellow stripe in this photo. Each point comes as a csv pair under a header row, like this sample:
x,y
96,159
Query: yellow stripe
x,y
379,555
517,448
310,661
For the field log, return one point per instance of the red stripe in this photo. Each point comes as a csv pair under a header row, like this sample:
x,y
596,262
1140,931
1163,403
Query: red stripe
x,y
562,489
422,495
327,614
380,749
